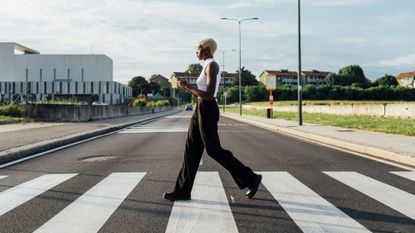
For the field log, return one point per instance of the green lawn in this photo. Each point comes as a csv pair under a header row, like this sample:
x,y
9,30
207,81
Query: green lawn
x,y
325,102
378,124
6,118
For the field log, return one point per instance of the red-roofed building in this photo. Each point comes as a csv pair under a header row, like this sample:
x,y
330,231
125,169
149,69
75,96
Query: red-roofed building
x,y
286,77
406,79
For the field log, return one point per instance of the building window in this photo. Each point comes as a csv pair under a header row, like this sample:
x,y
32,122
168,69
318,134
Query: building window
x,y
92,87
41,75
37,87
83,90
99,87
82,74
45,87
108,87
60,88
69,74
54,74
76,87
69,87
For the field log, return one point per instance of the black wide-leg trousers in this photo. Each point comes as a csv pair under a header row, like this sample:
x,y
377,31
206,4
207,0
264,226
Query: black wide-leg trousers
x,y
203,134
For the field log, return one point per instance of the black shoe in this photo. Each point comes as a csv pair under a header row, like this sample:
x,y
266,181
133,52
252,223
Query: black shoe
x,y
172,196
252,190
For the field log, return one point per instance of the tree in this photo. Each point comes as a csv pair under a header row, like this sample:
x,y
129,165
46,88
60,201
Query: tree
x,y
332,79
352,74
386,81
194,68
153,87
139,85
247,78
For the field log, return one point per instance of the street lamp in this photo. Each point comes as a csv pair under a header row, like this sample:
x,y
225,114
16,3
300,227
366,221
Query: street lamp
x,y
223,72
240,58
300,113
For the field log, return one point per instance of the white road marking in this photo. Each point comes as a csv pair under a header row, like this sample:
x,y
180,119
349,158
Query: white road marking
x,y
13,197
157,129
90,211
208,211
407,175
185,116
396,199
310,211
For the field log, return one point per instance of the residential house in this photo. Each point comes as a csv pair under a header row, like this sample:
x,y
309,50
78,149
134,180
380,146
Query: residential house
x,y
406,79
286,77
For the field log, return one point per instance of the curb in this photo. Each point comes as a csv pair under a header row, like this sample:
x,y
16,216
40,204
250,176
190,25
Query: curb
x,y
371,151
27,150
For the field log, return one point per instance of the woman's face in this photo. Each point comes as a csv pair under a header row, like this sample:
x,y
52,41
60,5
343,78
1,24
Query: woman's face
x,y
199,52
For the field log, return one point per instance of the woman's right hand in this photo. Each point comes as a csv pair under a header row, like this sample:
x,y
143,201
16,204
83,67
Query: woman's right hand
x,y
182,83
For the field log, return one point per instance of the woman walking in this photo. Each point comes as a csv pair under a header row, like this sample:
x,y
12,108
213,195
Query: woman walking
x,y
203,131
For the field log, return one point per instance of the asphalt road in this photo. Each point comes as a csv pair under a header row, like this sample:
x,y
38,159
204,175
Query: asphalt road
x,y
115,184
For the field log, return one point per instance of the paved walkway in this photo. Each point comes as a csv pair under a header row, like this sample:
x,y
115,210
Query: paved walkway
x,y
397,148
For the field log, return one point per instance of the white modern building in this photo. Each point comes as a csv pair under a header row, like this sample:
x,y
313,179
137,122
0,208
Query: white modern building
x,y
31,76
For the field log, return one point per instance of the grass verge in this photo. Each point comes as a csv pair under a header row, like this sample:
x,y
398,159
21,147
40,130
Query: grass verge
x,y
326,102
370,123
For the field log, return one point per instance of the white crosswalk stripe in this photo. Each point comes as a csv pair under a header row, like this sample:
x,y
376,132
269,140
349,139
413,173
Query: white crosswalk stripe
x,y
13,197
90,211
396,199
310,212
407,175
156,129
208,211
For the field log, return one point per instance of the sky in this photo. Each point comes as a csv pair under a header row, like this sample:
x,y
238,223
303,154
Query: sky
x,y
145,37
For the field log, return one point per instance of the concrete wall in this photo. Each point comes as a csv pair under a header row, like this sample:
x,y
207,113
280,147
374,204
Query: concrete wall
x,y
79,113
387,110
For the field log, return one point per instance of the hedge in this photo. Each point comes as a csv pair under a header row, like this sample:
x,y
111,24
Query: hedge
x,y
321,92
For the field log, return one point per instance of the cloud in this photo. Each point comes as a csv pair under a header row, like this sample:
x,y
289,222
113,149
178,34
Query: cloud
x,y
253,3
142,37
338,3
408,60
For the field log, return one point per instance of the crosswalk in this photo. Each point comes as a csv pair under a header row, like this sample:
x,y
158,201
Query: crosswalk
x,y
156,128
209,210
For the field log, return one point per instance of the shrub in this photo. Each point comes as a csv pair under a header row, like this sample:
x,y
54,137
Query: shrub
x,y
12,111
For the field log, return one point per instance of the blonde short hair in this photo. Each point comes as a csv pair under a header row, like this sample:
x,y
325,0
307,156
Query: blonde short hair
x,y
209,43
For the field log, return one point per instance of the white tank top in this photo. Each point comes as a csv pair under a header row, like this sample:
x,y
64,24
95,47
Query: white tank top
x,y
202,80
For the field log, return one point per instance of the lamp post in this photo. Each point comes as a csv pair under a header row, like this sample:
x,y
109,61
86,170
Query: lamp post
x,y
223,72
300,112
240,58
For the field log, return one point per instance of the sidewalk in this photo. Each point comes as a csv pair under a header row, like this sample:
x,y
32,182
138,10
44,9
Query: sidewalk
x,y
397,148
21,140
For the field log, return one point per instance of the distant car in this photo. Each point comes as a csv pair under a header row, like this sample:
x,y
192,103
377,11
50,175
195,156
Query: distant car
x,y
189,107
99,103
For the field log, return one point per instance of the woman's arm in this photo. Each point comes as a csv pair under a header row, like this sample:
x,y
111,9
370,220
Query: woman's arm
x,y
212,71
